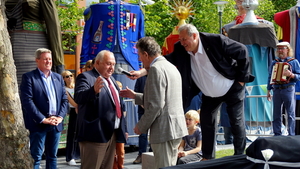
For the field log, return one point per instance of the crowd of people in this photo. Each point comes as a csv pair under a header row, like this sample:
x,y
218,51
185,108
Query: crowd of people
x,y
210,70
199,56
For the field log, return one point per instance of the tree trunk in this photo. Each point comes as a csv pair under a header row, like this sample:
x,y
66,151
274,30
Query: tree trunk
x,y
14,140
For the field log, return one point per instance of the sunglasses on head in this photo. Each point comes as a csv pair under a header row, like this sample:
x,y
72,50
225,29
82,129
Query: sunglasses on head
x,y
68,76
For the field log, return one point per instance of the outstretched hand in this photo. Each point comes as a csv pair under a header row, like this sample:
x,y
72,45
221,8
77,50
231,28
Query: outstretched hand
x,y
128,93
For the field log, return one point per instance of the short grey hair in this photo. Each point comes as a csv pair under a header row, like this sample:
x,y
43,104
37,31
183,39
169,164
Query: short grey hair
x,y
149,45
39,51
189,28
101,54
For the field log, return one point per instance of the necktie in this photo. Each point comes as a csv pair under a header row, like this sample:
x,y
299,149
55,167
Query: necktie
x,y
114,95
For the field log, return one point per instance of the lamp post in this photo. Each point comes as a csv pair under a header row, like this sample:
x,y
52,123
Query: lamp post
x,y
220,6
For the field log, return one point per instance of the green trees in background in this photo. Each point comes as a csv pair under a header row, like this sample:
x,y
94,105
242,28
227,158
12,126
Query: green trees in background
x,y
69,15
281,5
159,21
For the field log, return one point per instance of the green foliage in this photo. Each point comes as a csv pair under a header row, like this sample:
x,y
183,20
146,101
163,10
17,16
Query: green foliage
x,y
206,16
159,21
265,10
281,5
100,1
69,15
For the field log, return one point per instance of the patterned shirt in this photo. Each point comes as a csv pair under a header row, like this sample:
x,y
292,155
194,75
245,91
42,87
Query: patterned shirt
x,y
191,140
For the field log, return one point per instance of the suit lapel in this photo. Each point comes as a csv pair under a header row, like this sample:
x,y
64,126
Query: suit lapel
x,y
56,83
205,44
40,82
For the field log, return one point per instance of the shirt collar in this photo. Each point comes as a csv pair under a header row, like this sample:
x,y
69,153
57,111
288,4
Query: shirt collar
x,y
200,48
154,60
284,60
42,73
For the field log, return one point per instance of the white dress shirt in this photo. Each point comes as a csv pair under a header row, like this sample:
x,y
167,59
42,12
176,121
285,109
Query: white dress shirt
x,y
206,77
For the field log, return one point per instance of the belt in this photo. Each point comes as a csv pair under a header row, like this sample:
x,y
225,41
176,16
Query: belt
x,y
284,87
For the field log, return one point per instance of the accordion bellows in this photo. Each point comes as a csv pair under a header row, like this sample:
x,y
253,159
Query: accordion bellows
x,y
277,73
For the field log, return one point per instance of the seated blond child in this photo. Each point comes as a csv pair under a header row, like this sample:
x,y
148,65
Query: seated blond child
x,y
190,147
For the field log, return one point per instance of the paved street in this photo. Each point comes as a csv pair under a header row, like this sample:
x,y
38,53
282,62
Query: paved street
x,y
130,156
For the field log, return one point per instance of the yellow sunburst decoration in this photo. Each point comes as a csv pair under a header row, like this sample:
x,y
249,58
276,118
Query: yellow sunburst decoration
x,y
182,9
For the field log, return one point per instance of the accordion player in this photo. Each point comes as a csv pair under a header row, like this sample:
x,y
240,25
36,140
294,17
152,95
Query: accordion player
x,y
277,76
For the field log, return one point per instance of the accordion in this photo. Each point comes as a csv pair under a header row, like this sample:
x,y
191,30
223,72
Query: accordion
x,y
277,76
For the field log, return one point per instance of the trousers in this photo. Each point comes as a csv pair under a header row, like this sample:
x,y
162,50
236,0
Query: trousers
x,y
234,99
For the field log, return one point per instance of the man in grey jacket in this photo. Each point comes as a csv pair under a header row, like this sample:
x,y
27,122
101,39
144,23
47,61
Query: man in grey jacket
x,y
162,100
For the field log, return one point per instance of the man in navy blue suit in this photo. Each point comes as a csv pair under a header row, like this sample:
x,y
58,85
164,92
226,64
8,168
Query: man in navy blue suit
x,y
100,119
44,104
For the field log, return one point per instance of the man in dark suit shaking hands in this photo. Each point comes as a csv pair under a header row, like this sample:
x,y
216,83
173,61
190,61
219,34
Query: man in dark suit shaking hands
x,y
44,104
100,118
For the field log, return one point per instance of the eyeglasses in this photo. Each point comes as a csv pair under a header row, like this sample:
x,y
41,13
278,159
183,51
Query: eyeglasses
x,y
282,48
68,76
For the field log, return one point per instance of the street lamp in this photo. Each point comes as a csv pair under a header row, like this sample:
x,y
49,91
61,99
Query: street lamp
x,y
220,6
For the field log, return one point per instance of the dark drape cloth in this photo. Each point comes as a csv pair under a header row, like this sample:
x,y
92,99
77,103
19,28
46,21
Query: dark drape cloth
x,y
286,149
230,162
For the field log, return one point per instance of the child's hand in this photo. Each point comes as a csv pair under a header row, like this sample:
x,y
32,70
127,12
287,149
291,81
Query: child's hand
x,y
181,154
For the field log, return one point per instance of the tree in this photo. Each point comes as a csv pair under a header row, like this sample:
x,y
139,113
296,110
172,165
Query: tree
x,y
159,21
69,15
14,141
281,5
